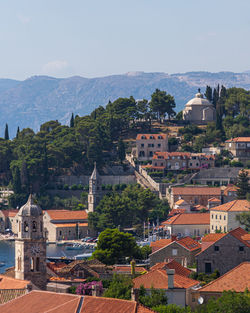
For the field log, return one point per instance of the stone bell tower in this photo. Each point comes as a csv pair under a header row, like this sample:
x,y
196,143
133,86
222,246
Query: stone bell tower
x,y
30,245
94,195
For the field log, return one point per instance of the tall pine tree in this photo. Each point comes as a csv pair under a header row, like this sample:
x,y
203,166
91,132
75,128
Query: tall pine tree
x,y
243,185
72,121
6,133
209,93
17,132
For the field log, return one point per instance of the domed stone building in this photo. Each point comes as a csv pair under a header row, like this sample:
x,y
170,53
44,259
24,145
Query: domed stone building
x,y
199,110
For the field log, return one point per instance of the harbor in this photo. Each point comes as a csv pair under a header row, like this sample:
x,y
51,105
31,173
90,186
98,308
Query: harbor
x,y
66,251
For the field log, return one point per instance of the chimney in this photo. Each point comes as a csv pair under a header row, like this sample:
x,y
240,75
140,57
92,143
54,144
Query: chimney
x,y
173,238
170,273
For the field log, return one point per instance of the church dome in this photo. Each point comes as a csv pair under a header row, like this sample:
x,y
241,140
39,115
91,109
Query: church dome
x,y
30,208
199,100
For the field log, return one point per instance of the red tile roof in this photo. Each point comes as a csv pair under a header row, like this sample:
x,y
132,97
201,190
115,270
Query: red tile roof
x,y
44,302
230,188
179,269
240,234
71,225
208,191
158,244
239,139
212,237
233,206
189,243
189,219
159,279
67,215
127,269
176,211
214,200
9,213
155,136
165,155
12,283
238,279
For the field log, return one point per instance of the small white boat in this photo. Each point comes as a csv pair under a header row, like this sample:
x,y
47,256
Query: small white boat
x,y
75,246
83,256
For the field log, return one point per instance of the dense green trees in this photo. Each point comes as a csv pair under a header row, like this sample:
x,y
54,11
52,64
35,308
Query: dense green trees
x,y
114,246
162,103
132,207
120,288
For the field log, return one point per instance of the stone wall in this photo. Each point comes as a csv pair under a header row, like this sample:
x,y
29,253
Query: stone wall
x,y
105,179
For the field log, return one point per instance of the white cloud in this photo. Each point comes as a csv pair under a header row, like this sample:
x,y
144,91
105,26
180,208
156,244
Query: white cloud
x,y
23,19
55,67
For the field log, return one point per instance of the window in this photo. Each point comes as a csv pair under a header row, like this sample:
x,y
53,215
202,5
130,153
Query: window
x,y
241,248
142,145
190,164
212,216
37,264
216,248
174,251
19,263
208,268
224,217
216,216
212,227
220,217
161,164
26,227
143,137
159,145
159,137
224,229
32,264
151,137
34,226
60,233
150,153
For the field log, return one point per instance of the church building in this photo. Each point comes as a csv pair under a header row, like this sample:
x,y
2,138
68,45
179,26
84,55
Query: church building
x,y
199,110
30,245
95,192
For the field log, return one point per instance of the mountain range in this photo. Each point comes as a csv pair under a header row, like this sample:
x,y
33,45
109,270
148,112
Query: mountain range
x,y
38,99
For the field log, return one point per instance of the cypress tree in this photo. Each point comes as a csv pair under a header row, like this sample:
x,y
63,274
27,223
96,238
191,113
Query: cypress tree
x,y
72,121
16,180
121,150
17,132
209,93
243,185
6,133
215,97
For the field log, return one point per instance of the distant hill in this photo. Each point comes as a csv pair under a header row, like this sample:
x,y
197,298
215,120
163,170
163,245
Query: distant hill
x,y
38,99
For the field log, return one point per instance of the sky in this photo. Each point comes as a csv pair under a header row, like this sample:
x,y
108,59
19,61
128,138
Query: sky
x,y
94,38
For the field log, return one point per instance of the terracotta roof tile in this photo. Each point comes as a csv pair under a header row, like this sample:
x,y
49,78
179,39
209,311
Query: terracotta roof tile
x,y
158,244
50,302
189,219
165,155
71,224
212,237
9,213
230,188
189,243
159,279
239,234
147,136
239,139
214,200
233,206
127,269
210,191
180,201
67,215
237,279
179,269
176,211
12,283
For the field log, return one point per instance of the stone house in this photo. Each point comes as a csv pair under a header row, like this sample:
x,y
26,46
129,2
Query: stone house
x,y
181,250
225,253
177,287
240,148
8,220
148,144
230,193
223,217
188,224
193,194
65,224
237,279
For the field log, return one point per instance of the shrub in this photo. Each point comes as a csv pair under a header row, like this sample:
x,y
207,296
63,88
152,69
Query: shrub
x,y
66,187
74,187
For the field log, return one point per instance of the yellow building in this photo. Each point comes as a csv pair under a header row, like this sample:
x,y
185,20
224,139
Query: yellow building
x,y
223,217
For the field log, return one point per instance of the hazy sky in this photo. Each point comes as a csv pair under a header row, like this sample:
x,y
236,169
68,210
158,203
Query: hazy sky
x,y
102,37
